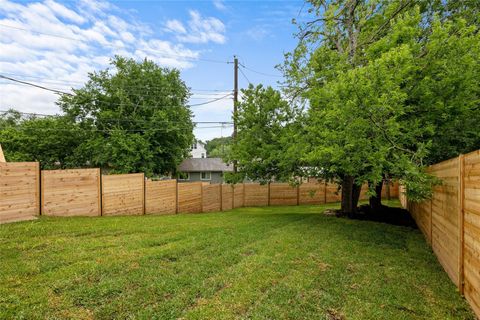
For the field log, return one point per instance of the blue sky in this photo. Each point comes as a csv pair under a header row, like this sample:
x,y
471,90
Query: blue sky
x,y
55,44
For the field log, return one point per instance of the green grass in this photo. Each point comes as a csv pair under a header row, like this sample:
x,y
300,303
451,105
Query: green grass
x,y
255,263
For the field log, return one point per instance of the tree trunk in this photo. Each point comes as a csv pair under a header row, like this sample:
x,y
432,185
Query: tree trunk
x,y
376,200
350,196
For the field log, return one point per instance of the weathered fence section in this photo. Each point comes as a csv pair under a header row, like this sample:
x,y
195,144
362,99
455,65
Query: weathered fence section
x,y
190,197
470,204
123,194
311,193
239,195
450,221
227,196
283,194
211,197
160,197
19,191
256,195
73,192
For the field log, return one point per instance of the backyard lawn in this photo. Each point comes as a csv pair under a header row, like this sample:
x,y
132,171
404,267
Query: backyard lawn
x,y
254,263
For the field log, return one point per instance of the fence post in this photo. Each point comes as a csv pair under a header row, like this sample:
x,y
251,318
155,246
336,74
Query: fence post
x,y
325,192
176,195
39,189
221,196
268,193
144,191
243,195
100,202
298,195
461,224
201,195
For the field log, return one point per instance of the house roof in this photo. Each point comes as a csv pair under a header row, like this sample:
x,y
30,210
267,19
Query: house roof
x,y
204,164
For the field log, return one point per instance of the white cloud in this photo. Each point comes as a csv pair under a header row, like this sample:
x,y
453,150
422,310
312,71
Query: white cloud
x,y
220,5
257,33
66,41
199,30
175,26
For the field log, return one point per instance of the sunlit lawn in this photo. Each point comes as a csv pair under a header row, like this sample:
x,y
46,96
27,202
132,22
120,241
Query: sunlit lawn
x,y
258,263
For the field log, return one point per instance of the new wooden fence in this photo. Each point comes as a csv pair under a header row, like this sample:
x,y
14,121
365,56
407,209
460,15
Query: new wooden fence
x,y
27,192
450,221
19,191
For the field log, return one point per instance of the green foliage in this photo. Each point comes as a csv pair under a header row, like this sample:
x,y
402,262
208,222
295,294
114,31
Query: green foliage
x,y
133,118
51,140
390,86
139,117
264,121
218,147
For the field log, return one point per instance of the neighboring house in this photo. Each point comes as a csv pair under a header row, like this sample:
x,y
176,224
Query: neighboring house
x,y
198,150
206,169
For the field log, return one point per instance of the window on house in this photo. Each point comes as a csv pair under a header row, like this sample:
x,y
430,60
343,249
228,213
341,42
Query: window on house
x,y
203,155
206,176
184,176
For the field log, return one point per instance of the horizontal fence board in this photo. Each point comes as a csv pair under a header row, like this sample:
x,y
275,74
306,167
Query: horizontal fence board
x,y
211,198
312,193
256,195
471,207
333,193
283,194
72,192
239,195
19,191
190,197
227,197
123,194
160,197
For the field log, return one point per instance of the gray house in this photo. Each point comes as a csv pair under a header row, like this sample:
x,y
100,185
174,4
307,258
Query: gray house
x,y
203,169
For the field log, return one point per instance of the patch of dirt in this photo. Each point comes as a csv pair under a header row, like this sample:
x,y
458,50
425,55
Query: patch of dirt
x,y
391,215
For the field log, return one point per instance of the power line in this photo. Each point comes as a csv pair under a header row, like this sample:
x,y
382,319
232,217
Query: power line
x,y
35,85
211,101
114,129
165,55
243,74
261,73
106,102
113,119
67,82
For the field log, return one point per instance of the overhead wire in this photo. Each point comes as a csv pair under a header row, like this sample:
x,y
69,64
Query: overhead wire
x,y
106,102
259,72
34,114
65,82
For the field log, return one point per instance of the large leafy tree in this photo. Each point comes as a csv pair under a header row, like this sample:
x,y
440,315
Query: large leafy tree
x,y
383,83
265,122
137,116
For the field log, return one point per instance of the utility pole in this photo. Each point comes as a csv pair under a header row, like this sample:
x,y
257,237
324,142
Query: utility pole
x,y
235,102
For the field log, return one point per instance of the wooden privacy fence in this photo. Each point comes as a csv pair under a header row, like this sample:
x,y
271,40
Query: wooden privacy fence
x,y
19,191
26,192
450,221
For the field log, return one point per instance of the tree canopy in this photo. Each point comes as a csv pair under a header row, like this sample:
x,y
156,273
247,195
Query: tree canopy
x,y
382,88
132,117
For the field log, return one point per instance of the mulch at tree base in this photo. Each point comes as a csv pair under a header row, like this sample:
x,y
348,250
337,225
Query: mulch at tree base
x,y
391,215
